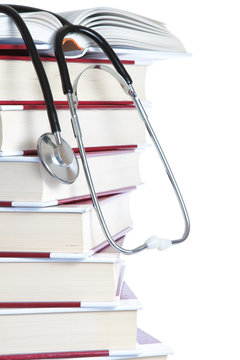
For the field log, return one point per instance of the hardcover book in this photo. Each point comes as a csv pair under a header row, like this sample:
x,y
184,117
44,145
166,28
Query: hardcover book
x,y
50,281
148,348
94,85
64,230
25,182
27,331
104,125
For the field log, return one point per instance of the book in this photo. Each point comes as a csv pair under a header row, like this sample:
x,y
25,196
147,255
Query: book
x,y
25,182
26,331
64,229
105,126
125,31
38,281
94,85
148,348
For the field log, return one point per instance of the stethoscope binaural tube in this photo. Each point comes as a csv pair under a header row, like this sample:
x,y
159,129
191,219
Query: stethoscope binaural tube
x,y
43,80
126,82
59,145
101,42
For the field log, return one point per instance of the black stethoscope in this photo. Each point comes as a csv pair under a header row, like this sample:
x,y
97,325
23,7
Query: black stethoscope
x,y
54,152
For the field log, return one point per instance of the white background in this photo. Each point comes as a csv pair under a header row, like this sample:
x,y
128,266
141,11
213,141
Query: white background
x,y
190,293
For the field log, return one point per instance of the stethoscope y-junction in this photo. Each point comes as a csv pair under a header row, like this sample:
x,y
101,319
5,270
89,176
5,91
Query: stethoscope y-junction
x,y
55,154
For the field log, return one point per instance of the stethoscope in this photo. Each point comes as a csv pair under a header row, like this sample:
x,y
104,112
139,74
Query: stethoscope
x,y
54,152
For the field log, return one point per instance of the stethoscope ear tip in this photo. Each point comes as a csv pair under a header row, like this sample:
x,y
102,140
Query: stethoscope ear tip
x,y
154,242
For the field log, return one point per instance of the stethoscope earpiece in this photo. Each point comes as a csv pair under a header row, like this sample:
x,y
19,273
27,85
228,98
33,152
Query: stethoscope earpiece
x,y
58,158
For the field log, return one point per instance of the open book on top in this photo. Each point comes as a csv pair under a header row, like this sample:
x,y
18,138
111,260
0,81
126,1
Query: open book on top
x,y
127,33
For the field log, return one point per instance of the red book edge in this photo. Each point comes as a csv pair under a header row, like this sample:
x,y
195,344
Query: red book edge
x,y
93,149
56,355
13,47
40,104
143,338
10,52
39,304
100,194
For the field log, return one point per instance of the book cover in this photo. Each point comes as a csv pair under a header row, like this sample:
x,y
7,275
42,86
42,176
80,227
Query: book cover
x,y
69,229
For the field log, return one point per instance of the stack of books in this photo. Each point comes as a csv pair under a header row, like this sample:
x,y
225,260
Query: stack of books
x,y
63,293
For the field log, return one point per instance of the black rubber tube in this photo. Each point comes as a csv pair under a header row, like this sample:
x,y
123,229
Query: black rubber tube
x,y
103,44
42,77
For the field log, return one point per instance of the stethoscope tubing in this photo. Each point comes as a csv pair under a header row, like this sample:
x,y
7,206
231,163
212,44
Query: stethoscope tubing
x,y
68,90
124,77
166,165
99,40
42,77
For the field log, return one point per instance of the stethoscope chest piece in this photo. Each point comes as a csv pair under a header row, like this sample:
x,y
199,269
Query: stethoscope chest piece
x,y
58,158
